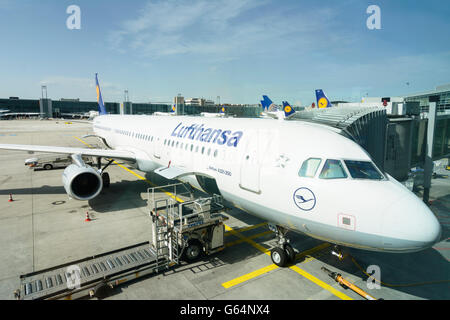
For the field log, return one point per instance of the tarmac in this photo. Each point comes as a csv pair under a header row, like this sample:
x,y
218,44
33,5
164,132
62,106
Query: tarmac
x,y
43,228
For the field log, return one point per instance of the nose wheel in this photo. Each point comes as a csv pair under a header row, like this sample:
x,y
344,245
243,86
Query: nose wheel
x,y
283,254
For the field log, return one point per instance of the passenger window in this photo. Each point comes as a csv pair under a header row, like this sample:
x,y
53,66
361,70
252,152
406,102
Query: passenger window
x,y
333,169
309,167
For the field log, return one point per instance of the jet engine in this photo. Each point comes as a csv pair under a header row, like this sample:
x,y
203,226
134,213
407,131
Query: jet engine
x,y
82,182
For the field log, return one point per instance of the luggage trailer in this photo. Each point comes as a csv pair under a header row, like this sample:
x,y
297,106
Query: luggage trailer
x,y
182,229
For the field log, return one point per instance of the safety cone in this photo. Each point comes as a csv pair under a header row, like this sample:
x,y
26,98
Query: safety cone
x,y
10,198
87,217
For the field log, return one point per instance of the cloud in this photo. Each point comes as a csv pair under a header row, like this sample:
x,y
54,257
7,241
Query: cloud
x,y
223,29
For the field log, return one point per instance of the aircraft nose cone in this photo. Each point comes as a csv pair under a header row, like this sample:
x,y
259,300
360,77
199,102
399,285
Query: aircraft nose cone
x,y
409,225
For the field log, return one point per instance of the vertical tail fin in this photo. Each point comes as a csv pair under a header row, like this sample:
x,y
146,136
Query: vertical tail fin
x,y
288,110
270,106
263,104
174,109
322,100
101,106
222,110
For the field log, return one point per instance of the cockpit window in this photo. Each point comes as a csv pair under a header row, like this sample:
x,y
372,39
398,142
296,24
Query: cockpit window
x,y
309,167
363,170
333,169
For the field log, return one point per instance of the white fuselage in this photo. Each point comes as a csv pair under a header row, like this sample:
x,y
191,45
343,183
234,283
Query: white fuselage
x,y
256,163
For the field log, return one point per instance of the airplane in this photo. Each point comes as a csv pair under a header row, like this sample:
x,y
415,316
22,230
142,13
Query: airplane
x,y
271,110
171,113
221,113
12,115
4,111
300,177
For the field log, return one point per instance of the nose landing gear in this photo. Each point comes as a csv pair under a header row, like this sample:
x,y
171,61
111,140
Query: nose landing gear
x,y
337,251
283,254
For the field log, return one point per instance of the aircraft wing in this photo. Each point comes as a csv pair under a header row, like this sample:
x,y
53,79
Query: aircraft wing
x,y
114,154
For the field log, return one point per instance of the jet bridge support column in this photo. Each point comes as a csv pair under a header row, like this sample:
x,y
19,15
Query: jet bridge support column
x,y
428,167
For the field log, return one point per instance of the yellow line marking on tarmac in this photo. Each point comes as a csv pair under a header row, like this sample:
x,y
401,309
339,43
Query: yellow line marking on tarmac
x,y
320,283
249,241
257,246
249,276
229,244
271,267
248,228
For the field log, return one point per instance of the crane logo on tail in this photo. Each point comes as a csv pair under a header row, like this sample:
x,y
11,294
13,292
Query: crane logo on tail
x,y
304,199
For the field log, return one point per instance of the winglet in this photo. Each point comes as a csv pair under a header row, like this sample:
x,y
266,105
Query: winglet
x,y
101,106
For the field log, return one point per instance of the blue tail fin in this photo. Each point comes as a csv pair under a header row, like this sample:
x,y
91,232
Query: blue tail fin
x,y
101,106
268,104
263,104
288,110
222,110
174,109
322,100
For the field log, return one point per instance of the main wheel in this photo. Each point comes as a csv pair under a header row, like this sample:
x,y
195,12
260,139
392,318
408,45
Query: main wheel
x,y
279,256
48,167
290,252
106,180
193,251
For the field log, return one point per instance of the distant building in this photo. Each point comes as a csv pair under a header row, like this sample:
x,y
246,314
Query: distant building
x,y
199,102
71,100
178,100
443,94
193,102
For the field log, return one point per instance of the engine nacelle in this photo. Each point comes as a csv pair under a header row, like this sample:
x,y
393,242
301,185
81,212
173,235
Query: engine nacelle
x,y
82,182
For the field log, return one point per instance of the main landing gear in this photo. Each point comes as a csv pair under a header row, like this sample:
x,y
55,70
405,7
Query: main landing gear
x,y
283,254
105,175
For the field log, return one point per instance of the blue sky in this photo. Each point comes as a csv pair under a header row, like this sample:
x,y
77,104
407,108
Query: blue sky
x,y
235,49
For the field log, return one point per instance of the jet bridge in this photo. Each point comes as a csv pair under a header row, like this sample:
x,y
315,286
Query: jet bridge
x,y
365,125
182,228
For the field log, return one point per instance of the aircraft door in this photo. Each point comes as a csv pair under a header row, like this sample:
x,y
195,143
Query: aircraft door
x,y
158,147
251,161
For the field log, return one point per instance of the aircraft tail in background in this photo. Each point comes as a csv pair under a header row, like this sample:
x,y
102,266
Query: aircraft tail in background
x,y
322,100
288,110
101,106
268,105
